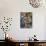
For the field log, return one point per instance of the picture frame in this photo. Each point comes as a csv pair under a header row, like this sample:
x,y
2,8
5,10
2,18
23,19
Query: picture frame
x,y
25,19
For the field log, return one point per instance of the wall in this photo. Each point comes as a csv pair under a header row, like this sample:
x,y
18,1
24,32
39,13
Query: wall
x,y
12,8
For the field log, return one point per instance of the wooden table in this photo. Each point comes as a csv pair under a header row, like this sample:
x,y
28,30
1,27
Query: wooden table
x,y
30,43
27,42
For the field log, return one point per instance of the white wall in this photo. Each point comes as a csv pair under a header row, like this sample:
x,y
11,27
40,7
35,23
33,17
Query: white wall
x,y
12,8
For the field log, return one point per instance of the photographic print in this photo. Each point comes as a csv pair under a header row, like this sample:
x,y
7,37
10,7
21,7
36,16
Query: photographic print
x,y
26,19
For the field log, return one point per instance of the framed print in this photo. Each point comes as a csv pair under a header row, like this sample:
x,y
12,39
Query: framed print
x,y
26,19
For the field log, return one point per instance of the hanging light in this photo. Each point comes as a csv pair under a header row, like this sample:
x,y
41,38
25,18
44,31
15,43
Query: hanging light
x,y
35,3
